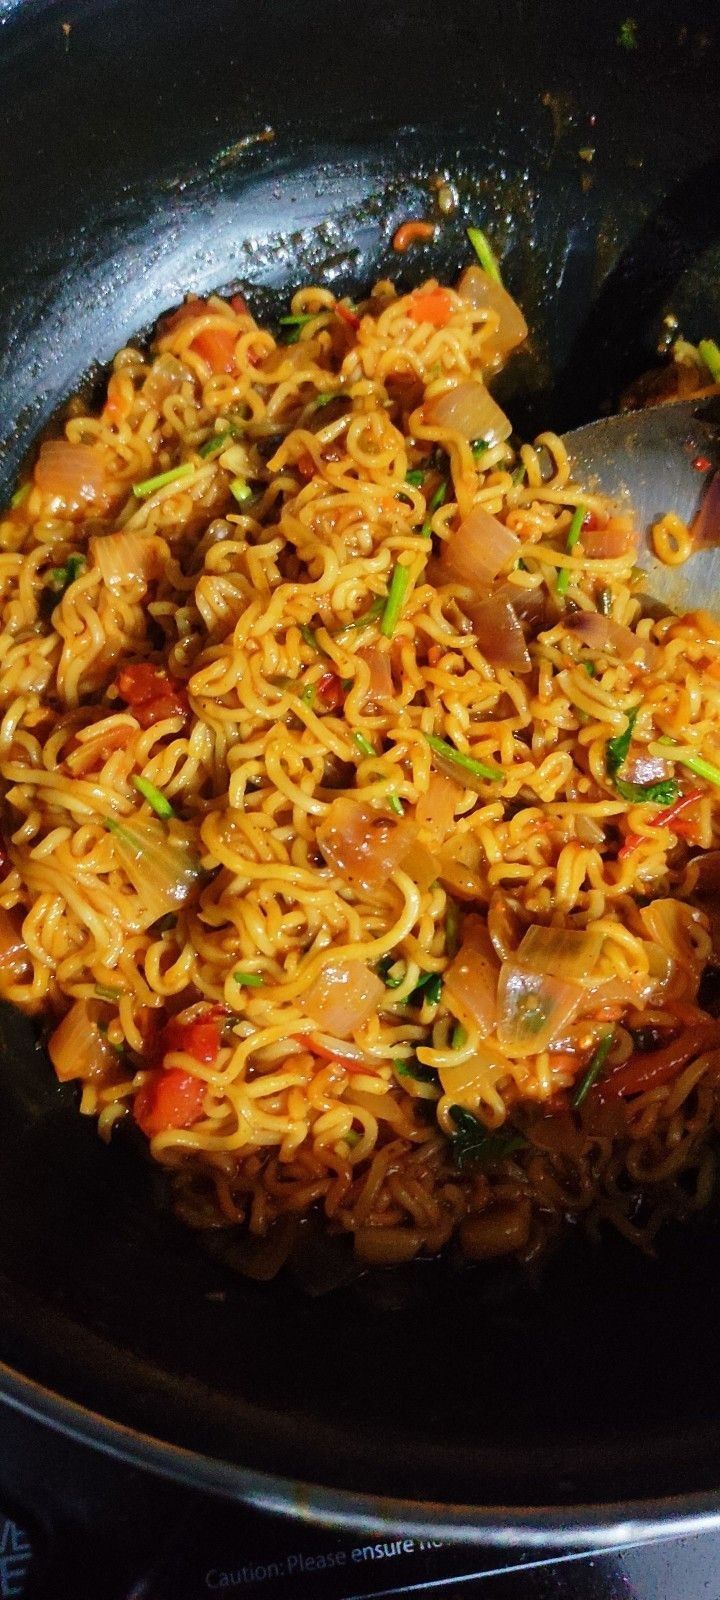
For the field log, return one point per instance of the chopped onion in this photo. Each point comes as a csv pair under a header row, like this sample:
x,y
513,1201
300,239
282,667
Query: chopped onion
x,y
604,633
588,830
642,769
646,988
484,293
128,557
472,977
469,410
420,866
387,1247
459,866
705,529
344,995
533,1008
463,1081
679,929
381,684
436,809
77,1047
610,542
478,550
363,845
568,953
159,859
72,474
500,635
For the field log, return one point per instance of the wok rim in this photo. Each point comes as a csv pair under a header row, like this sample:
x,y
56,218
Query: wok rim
x,y
582,1528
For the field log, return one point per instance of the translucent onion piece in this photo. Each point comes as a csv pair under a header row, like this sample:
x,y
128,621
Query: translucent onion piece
x,y
123,558
679,929
342,998
421,866
387,1247
610,542
478,550
436,809
472,977
500,635
77,1047
72,474
469,410
604,633
483,293
643,769
364,845
381,683
561,952
533,1008
463,1081
159,859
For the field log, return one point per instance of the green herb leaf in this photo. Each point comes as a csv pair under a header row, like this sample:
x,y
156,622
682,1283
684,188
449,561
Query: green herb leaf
x,y
627,34
428,987
573,534
62,577
415,1069
415,477
710,353
310,637
324,399
697,764
662,793
215,445
458,1037
437,501
595,1066
292,325
616,749
383,971
20,496
590,668
105,991
473,1142
464,763
396,805
485,253
248,980
478,447
562,581
149,485
397,594
155,797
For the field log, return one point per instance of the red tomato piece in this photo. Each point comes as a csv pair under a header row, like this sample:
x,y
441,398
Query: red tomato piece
x,y
217,347
170,1099
199,1038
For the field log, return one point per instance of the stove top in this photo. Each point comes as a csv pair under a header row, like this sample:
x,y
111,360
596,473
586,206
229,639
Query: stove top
x,y
83,1525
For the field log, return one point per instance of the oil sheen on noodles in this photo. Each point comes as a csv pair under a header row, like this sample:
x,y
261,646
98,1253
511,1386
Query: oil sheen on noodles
x,y
359,825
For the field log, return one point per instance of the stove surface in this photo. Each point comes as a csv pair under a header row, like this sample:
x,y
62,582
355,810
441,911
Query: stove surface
x,y
79,1524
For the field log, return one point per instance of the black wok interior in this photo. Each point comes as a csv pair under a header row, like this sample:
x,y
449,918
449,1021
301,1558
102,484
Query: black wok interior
x,y
152,148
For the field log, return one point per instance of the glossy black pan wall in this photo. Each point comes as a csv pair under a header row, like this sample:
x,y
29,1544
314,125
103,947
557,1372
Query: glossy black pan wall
x,y
151,148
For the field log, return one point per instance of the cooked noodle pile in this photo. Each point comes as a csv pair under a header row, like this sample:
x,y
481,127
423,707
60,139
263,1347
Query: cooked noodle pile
x,y
357,816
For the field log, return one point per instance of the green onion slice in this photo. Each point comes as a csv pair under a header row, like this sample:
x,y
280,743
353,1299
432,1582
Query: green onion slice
x,y
595,1066
149,485
397,594
479,769
485,253
248,980
155,797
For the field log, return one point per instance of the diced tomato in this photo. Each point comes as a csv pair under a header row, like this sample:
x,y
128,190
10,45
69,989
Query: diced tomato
x,y
306,466
151,694
650,1070
217,347
331,691
174,319
199,1038
171,1099
239,305
434,305
348,316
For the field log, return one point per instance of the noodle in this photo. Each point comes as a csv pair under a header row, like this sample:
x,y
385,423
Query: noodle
x,y
348,796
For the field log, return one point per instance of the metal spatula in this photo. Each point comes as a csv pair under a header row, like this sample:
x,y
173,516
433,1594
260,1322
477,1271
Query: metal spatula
x,y
657,460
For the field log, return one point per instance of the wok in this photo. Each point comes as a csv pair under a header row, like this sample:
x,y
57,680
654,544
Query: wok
x,y
150,149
